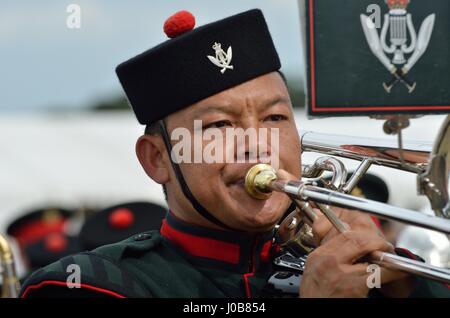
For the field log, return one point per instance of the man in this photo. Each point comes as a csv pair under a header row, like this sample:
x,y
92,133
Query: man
x,y
217,241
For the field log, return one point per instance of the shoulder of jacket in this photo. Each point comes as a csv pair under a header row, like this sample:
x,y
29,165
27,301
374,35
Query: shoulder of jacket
x,y
132,246
98,272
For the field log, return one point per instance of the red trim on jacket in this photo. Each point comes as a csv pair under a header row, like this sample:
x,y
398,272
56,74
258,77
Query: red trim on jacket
x,y
266,254
59,283
414,257
202,247
248,293
408,253
377,222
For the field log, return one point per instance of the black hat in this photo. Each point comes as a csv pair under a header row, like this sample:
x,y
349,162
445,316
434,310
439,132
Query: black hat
x,y
50,249
36,224
197,63
369,186
372,187
119,222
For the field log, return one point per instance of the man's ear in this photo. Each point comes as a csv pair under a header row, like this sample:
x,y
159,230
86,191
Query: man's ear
x,y
151,153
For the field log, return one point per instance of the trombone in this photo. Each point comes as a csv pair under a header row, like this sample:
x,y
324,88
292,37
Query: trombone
x,y
10,282
430,163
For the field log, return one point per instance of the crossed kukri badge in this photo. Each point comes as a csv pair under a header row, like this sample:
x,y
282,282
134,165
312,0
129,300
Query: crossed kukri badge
x,y
399,23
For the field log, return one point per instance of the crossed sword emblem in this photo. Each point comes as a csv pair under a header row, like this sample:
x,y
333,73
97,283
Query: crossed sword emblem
x,y
399,75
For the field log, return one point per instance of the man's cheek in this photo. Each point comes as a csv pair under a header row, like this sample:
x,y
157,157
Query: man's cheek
x,y
204,174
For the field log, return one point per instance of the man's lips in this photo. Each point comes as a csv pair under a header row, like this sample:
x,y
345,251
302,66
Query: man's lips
x,y
237,179
239,182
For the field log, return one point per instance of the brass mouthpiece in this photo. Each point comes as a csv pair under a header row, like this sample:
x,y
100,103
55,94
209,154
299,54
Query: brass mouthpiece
x,y
258,181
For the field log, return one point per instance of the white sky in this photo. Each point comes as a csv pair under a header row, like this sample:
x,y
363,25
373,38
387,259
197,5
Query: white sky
x,y
44,64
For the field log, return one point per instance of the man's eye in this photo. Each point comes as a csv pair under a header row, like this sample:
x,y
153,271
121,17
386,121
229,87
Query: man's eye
x,y
276,117
218,124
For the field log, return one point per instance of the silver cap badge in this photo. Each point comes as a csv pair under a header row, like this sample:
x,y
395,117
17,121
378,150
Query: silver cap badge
x,y
221,59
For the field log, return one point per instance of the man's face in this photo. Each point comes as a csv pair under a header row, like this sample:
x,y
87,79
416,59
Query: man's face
x,y
260,103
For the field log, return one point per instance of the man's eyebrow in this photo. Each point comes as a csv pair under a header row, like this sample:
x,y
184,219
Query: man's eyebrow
x,y
227,109
275,101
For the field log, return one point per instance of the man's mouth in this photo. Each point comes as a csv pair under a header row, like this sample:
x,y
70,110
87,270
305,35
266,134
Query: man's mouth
x,y
239,182
238,179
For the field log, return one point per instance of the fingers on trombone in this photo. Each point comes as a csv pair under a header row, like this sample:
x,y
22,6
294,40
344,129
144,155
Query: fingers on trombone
x,y
354,245
308,214
358,220
284,175
322,228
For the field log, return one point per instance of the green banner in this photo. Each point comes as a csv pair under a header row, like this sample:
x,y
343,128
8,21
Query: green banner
x,y
367,57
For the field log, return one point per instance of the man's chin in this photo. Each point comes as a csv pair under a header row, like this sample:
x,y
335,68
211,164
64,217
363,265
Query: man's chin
x,y
260,217
253,214
258,223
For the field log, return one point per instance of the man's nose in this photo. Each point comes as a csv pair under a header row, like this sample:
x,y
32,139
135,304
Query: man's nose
x,y
254,145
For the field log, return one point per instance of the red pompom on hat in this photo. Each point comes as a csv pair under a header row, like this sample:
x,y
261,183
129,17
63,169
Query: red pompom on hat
x,y
55,243
179,23
121,218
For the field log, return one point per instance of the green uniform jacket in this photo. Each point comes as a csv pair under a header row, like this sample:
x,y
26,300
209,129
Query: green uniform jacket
x,y
178,261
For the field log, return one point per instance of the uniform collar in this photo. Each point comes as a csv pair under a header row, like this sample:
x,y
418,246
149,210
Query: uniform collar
x,y
229,250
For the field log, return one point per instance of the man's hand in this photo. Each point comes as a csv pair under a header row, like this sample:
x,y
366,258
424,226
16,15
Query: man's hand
x,y
332,269
338,267
394,283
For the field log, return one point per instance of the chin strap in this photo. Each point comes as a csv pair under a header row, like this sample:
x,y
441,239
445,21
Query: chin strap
x,y
184,187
